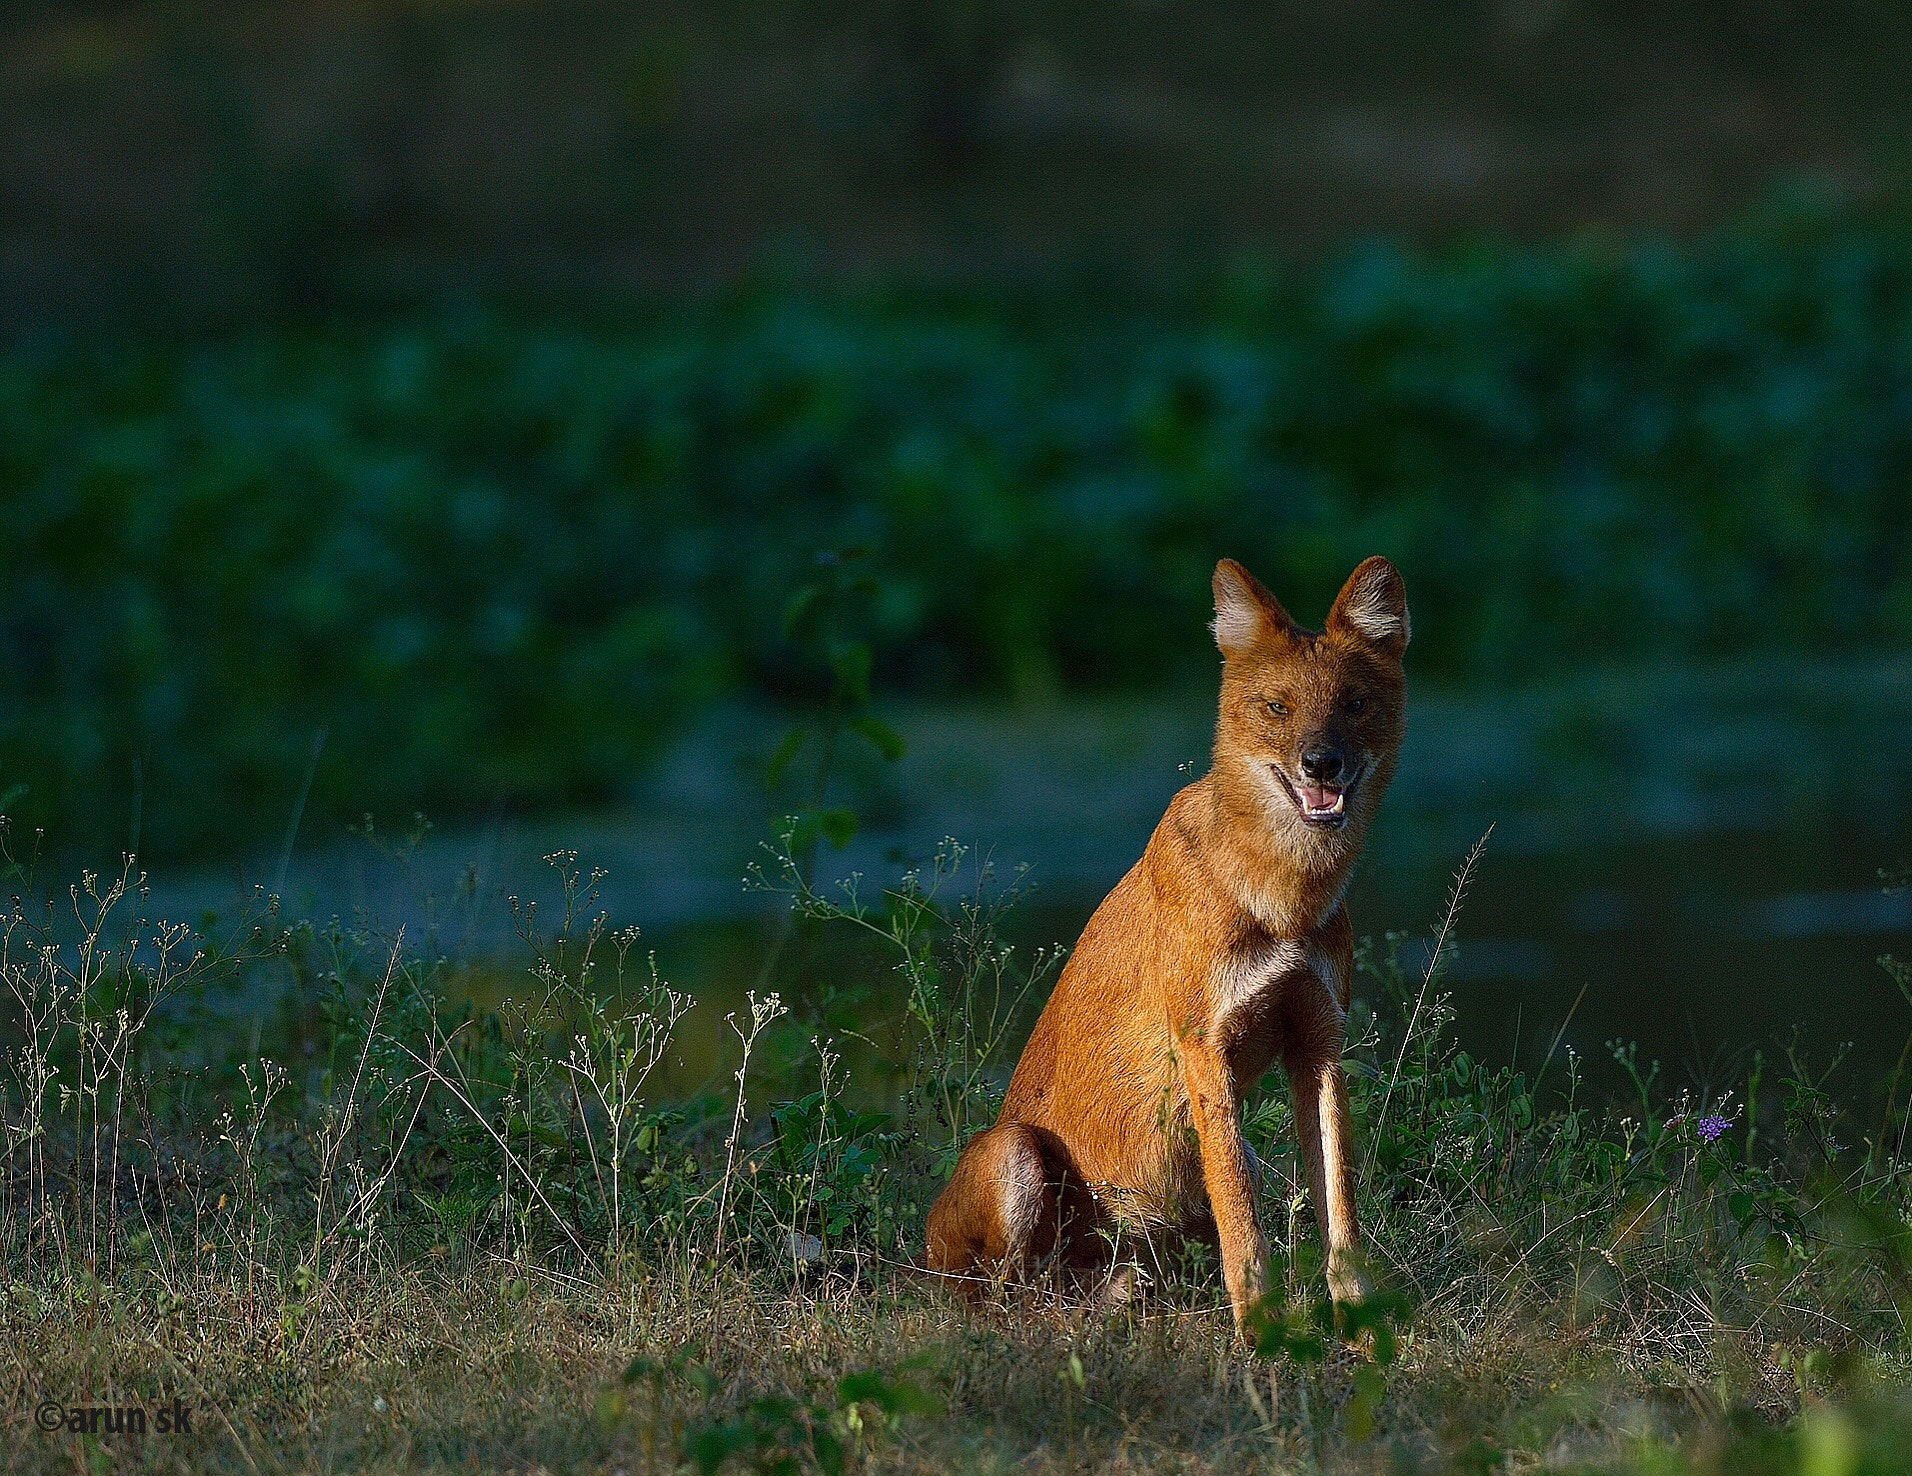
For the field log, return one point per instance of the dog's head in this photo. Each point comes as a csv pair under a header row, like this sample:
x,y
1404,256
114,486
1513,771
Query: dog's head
x,y
1311,722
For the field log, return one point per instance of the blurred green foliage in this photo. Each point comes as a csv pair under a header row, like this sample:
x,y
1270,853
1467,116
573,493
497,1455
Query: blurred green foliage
x,y
499,557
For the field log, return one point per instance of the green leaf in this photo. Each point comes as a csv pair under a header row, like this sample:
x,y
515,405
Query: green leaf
x,y
799,607
709,1446
640,1367
1306,1348
1370,1388
1375,1317
851,663
881,736
838,826
870,1385
892,1396
828,1450
787,750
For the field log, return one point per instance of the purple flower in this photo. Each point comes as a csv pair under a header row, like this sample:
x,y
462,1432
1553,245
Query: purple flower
x,y
1712,1128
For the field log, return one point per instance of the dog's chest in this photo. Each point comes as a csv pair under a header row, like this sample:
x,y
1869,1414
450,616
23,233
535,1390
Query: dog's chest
x,y
1258,984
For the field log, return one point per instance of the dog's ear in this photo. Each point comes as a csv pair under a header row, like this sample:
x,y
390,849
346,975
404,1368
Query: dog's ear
x,y
1372,607
1244,610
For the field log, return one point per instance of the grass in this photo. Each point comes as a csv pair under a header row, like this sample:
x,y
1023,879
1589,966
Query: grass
x,y
382,1230
495,1365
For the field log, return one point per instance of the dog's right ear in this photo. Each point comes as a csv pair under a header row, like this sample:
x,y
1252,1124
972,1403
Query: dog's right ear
x,y
1245,613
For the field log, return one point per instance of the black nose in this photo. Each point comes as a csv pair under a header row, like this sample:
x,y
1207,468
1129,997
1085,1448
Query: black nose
x,y
1323,764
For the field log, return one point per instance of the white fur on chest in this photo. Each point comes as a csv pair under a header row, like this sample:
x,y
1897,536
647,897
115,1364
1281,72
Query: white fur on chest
x,y
1283,965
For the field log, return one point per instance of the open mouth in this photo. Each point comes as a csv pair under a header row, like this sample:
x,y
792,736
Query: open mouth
x,y
1325,805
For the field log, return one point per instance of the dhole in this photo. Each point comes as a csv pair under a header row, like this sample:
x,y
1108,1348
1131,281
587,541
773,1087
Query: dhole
x,y
1225,948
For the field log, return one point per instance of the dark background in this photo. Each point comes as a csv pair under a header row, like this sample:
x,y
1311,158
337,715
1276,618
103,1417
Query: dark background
x,y
220,161
438,407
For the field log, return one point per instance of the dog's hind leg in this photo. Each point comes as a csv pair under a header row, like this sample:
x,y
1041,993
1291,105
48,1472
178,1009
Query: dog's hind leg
x,y
1000,1213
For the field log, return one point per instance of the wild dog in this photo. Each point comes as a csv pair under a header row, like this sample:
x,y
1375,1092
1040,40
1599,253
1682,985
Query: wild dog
x,y
1225,948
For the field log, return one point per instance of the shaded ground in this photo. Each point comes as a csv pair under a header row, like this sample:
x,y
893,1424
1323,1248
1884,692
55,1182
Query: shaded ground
x,y
501,1367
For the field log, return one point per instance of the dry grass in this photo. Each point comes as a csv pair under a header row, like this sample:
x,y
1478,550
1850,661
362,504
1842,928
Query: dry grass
x,y
500,1365
462,1241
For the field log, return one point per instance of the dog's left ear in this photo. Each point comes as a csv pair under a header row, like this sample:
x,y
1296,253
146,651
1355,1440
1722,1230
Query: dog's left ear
x,y
1245,612
1372,606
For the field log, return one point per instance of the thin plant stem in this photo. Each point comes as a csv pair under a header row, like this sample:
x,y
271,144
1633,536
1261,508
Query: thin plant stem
x,y
1456,894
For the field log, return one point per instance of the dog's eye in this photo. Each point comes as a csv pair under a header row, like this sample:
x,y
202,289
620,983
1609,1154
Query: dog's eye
x,y
1355,704
1279,709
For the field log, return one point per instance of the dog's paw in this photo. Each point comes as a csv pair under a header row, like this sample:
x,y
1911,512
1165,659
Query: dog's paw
x,y
1121,1286
1348,1279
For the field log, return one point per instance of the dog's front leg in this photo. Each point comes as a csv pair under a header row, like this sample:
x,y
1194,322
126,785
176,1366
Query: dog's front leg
x,y
1322,1123
1227,1170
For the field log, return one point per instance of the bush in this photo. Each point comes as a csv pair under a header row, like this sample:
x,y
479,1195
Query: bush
x,y
459,558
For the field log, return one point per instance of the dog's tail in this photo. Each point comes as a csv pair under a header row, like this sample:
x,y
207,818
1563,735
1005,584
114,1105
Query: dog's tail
x,y
915,1273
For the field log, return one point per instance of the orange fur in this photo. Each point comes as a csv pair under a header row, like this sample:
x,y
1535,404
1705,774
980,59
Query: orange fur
x,y
1225,948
